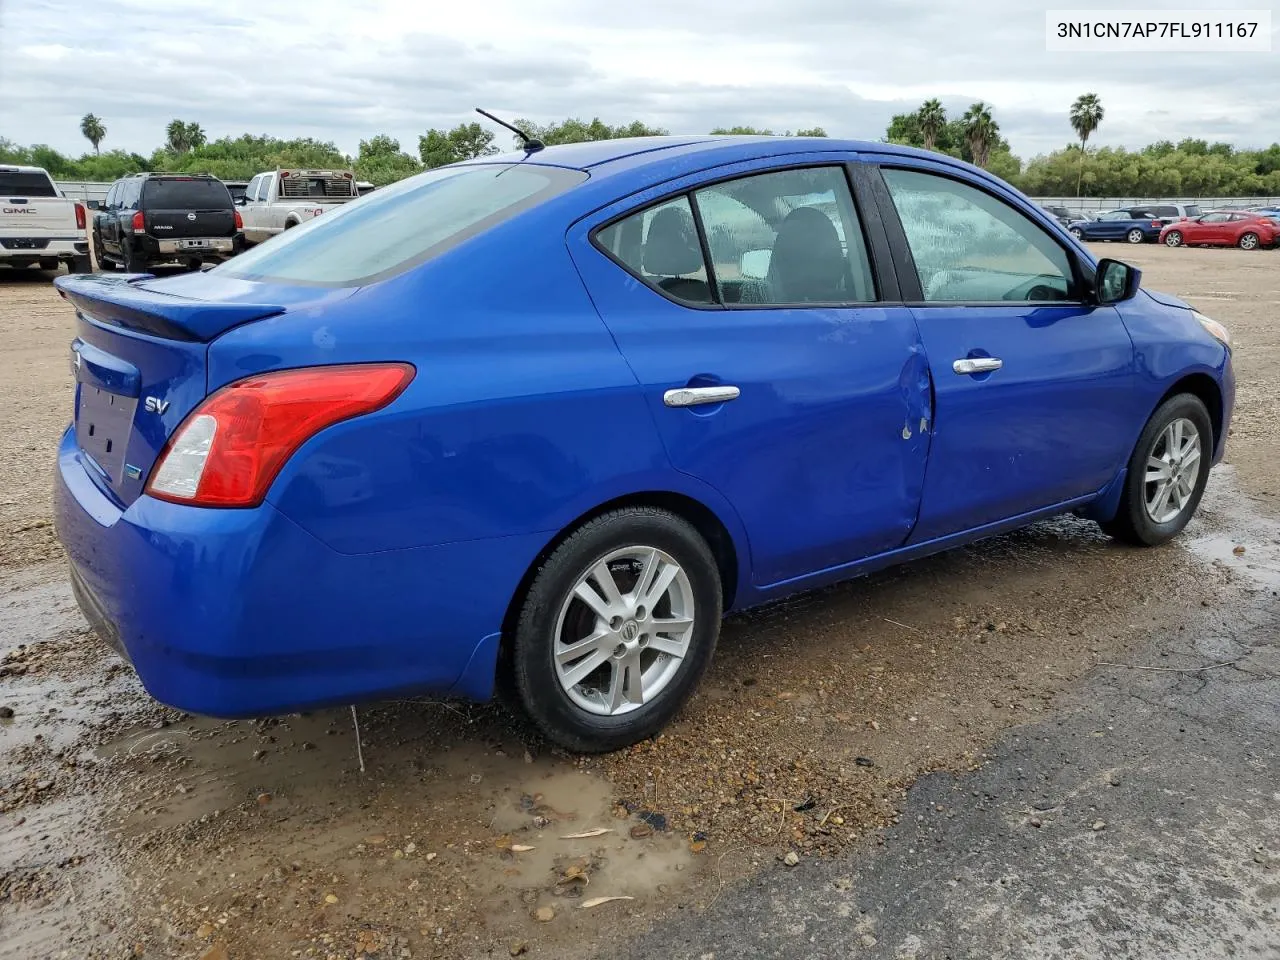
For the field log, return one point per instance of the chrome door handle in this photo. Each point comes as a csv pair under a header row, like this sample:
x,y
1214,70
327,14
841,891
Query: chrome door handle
x,y
977,365
694,396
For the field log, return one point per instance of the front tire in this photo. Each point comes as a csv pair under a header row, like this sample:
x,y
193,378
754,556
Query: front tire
x,y
1135,236
1167,474
1249,241
1173,238
617,629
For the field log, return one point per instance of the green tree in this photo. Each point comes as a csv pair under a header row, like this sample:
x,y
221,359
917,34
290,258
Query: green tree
x,y
93,130
574,130
381,161
1086,115
741,132
437,148
932,119
981,132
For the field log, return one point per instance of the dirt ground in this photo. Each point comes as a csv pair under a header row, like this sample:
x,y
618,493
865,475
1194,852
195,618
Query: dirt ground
x,y
130,830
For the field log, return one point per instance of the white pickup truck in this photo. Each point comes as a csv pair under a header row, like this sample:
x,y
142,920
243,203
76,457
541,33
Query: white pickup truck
x,y
275,201
38,225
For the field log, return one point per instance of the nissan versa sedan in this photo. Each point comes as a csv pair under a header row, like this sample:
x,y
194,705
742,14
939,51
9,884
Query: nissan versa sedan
x,y
538,421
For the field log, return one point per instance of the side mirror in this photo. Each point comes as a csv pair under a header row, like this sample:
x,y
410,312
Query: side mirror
x,y
93,205
1114,282
241,201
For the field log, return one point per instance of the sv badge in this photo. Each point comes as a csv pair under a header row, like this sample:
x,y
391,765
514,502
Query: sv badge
x,y
155,405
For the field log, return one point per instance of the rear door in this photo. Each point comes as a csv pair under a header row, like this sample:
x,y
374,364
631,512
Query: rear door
x,y
1033,385
782,376
178,208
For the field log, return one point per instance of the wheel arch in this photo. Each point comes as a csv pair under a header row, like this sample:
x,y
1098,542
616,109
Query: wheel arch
x,y
1206,389
728,554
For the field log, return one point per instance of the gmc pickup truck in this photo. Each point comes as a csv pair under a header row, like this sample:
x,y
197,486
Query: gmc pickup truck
x,y
275,201
38,225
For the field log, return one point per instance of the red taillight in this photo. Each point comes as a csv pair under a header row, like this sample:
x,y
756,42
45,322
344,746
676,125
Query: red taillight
x,y
79,216
239,220
1157,224
139,223
228,450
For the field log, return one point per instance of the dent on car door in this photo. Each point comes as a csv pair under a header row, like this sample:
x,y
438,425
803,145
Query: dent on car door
x,y
779,376
1033,384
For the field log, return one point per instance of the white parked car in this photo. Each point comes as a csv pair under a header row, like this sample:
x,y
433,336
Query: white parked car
x,y
38,225
280,199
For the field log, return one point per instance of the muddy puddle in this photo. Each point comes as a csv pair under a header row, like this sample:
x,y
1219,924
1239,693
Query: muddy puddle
x,y
127,829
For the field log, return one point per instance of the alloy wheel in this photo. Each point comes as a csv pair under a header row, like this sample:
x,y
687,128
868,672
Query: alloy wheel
x,y
1173,239
624,630
1173,469
1135,236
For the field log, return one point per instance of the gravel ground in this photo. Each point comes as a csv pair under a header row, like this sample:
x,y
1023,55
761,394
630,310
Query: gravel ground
x,y
127,829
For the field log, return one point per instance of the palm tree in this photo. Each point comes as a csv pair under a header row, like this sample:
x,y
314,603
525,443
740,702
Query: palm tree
x,y
175,135
932,119
981,131
195,136
93,130
1086,114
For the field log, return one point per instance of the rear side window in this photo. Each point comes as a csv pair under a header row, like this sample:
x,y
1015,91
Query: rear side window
x,y
1193,210
14,183
185,194
660,245
1167,211
402,225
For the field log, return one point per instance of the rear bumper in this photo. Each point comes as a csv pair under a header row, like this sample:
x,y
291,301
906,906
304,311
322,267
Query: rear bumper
x,y
210,246
42,248
236,613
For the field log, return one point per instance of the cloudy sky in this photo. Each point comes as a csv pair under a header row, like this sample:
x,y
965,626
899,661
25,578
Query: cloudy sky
x,y
345,71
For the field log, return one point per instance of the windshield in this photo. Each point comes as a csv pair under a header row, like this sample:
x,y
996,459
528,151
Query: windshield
x,y
14,183
400,226
185,194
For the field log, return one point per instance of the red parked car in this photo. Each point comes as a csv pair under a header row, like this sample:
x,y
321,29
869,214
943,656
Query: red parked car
x,y
1223,228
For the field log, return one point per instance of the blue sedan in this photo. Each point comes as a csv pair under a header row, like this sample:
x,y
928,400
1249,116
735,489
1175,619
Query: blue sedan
x,y
546,417
1131,226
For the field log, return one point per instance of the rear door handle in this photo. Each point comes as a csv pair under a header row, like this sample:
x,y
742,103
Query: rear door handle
x,y
977,365
695,396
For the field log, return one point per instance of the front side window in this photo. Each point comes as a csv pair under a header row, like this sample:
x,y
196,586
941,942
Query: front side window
x,y
786,238
1115,215
251,191
970,247
402,225
1215,218
660,246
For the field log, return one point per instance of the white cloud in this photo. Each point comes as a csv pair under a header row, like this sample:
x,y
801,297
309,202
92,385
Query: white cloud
x,y
345,71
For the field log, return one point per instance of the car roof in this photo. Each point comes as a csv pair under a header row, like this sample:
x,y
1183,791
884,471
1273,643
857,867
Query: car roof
x,y
21,168
603,158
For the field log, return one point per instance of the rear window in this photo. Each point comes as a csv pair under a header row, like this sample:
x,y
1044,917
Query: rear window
x,y
183,194
316,188
399,226
14,183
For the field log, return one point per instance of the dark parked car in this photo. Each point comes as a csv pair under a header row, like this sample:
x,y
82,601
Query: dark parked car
x,y
1065,215
153,218
1132,224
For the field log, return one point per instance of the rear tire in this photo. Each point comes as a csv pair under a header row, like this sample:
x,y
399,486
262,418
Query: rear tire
x,y
643,673
1135,236
1148,516
1078,234
133,262
49,265
1249,241
81,264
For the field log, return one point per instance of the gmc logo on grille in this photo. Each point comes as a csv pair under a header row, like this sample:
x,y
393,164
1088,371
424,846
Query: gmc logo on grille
x,y
18,210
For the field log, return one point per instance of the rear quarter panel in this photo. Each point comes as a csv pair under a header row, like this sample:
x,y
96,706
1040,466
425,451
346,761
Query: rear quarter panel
x,y
522,414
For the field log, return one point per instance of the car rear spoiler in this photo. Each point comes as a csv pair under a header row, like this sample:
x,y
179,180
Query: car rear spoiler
x,y
121,302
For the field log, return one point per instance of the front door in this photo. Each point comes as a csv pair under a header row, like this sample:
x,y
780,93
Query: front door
x,y
776,376
1033,385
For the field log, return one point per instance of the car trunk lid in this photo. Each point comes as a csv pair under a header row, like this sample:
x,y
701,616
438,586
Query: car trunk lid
x,y
140,358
